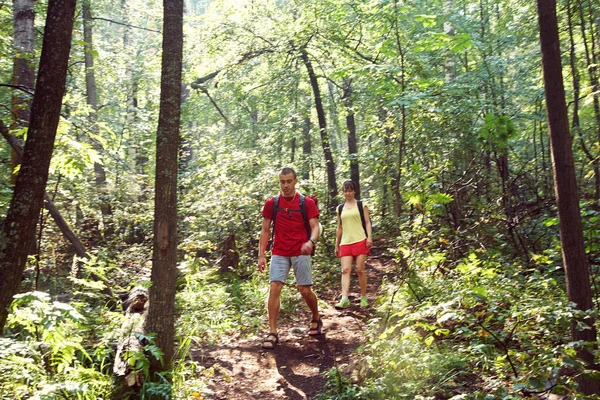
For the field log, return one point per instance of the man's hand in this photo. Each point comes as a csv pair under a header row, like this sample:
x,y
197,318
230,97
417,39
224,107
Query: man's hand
x,y
262,264
307,248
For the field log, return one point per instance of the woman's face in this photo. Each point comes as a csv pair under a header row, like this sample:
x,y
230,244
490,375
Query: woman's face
x,y
349,193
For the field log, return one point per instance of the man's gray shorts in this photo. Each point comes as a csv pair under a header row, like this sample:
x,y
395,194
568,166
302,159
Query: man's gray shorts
x,y
280,268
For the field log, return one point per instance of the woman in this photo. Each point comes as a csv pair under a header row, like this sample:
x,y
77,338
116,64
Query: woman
x,y
353,240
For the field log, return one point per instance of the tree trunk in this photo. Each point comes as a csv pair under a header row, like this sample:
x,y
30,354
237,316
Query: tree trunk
x,y
161,312
23,68
352,146
401,145
21,219
331,181
571,231
387,174
306,145
449,61
92,101
591,66
575,125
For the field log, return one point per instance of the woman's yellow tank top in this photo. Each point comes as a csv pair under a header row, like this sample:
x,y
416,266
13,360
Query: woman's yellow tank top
x,y
352,229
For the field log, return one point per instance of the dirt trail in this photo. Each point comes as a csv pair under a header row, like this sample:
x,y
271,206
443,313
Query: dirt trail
x,y
296,368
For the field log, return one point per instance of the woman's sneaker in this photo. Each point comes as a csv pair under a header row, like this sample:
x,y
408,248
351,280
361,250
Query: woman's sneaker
x,y
344,303
364,302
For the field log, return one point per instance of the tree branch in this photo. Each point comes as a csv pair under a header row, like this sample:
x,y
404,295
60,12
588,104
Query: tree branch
x,y
197,84
19,87
124,24
216,105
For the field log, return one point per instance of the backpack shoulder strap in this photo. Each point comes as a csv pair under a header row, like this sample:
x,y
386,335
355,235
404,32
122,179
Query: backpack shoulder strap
x,y
361,211
273,216
275,208
304,214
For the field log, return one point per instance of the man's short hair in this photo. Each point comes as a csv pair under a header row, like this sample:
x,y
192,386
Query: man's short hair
x,y
287,171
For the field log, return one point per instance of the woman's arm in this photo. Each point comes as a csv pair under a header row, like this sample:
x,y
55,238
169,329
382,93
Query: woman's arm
x,y
368,226
338,235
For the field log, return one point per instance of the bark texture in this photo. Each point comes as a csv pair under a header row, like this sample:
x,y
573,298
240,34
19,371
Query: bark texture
x,y
28,197
571,232
23,68
161,312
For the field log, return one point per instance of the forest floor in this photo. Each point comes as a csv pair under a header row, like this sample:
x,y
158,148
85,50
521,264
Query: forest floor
x,y
296,368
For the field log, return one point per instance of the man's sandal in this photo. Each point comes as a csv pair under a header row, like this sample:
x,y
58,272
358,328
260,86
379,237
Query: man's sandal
x,y
317,330
270,341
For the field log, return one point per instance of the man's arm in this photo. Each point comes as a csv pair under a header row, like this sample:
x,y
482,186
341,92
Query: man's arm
x,y
308,246
315,231
262,243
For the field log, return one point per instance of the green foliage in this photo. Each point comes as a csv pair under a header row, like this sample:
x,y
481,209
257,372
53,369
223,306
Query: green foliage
x,y
482,299
488,327
338,387
217,306
496,131
46,354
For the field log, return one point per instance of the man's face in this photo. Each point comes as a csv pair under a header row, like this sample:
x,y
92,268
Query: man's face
x,y
288,184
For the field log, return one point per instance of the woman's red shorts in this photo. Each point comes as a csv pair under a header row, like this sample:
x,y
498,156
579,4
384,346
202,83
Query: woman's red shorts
x,y
354,249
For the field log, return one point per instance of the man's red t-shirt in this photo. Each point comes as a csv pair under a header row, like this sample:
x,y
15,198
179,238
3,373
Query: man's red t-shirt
x,y
290,233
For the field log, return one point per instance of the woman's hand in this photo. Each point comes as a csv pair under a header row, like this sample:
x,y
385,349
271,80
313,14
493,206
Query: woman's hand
x,y
369,243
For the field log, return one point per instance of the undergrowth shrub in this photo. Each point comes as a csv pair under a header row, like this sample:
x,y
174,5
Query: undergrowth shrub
x,y
48,354
215,304
487,329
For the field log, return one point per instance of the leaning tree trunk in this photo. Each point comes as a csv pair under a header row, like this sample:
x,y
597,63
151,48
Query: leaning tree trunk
x,y
161,312
23,68
60,222
571,231
325,142
21,219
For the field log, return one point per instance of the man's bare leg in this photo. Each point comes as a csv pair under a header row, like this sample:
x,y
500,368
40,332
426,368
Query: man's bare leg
x,y
273,304
311,301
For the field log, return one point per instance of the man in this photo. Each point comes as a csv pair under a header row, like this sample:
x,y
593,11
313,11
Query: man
x,y
292,247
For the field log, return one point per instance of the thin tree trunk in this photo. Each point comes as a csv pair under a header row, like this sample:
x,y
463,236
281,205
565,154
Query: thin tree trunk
x,y
306,144
401,53
449,61
92,101
23,68
161,312
575,126
28,197
571,231
591,68
352,143
387,174
330,164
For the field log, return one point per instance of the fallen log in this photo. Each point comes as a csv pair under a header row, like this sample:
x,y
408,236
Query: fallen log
x,y
130,344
